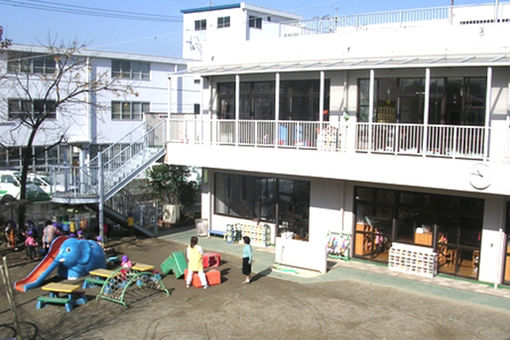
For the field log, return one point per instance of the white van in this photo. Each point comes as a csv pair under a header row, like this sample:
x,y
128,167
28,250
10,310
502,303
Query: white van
x,y
10,184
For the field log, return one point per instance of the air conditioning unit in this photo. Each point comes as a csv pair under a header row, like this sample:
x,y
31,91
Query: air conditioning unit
x,y
170,213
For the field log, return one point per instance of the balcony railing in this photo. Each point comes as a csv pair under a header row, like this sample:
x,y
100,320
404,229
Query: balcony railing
x,y
399,139
440,140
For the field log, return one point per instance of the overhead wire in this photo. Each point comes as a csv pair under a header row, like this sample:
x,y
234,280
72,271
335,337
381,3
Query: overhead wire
x,y
90,11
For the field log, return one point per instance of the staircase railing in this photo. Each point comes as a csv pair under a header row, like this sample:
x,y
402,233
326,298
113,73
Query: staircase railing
x,y
112,163
118,161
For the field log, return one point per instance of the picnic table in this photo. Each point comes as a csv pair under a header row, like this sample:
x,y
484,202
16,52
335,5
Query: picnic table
x,y
69,299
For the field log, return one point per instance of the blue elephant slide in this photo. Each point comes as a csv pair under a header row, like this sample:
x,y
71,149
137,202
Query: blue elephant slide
x,y
72,257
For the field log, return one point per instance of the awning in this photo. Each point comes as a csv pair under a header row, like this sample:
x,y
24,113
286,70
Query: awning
x,y
352,64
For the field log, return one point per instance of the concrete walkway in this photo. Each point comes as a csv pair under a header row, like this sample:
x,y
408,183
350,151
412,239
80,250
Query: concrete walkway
x,y
357,270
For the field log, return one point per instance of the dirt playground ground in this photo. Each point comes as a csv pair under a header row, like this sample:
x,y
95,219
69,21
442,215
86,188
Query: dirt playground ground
x,y
268,308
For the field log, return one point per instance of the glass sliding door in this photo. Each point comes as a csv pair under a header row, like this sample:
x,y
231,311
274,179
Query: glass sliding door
x,y
449,224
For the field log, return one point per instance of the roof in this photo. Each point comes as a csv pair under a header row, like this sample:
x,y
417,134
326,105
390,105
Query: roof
x,y
264,10
102,54
353,64
210,8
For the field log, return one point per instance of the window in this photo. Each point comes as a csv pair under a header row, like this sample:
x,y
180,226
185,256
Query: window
x,y
418,219
452,100
223,22
201,25
129,110
299,100
30,63
253,197
196,109
255,22
19,108
127,69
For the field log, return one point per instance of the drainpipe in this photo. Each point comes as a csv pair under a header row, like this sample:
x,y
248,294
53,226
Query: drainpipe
x,y
488,104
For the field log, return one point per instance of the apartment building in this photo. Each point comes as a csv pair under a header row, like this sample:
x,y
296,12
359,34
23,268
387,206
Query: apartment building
x,y
92,121
389,130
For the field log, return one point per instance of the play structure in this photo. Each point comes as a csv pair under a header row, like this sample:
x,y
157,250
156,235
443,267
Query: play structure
x,y
116,285
74,258
175,263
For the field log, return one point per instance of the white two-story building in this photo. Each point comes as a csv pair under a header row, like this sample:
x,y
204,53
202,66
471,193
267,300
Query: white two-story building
x,y
91,121
390,127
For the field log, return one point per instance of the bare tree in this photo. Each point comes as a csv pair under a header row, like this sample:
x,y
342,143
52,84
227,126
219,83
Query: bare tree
x,y
42,87
4,42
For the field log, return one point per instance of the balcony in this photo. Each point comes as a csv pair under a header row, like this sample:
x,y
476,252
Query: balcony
x,y
443,141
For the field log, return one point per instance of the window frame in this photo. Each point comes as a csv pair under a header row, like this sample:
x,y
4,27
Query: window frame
x,y
130,114
255,22
201,25
223,22
49,112
31,63
130,69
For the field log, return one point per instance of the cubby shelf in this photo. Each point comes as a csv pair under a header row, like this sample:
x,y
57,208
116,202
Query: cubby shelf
x,y
412,259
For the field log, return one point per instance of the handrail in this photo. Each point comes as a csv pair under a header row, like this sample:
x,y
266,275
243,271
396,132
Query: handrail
x,y
94,161
107,163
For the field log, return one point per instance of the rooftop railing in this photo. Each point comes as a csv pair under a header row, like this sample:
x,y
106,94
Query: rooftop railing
x,y
448,14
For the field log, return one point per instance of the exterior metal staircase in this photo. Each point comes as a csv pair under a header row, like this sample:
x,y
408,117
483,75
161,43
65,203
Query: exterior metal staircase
x,y
111,170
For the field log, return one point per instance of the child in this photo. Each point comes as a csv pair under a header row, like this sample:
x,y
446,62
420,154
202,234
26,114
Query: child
x,y
195,263
10,234
99,241
126,265
31,244
247,259
80,235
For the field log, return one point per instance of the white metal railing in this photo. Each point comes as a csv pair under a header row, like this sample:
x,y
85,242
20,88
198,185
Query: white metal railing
x,y
410,139
119,161
74,181
332,24
442,140
259,133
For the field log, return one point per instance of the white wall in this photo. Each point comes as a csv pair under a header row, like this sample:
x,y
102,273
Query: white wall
x,y
326,204
491,250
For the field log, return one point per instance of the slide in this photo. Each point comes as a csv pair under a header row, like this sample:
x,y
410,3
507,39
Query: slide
x,y
43,269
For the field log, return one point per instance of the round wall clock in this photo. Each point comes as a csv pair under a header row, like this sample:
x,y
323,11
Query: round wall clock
x,y
479,176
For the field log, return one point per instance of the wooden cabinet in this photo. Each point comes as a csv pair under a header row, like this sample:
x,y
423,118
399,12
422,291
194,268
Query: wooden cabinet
x,y
363,242
424,239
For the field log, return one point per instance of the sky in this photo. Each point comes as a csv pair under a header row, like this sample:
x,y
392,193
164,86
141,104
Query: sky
x,y
159,33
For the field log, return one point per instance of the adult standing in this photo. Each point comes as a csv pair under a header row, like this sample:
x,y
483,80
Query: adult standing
x,y
195,263
49,234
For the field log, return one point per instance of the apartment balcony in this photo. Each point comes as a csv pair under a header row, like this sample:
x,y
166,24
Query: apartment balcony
x,y
432,156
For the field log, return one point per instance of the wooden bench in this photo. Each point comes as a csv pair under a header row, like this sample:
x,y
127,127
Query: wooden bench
x,y
44,300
